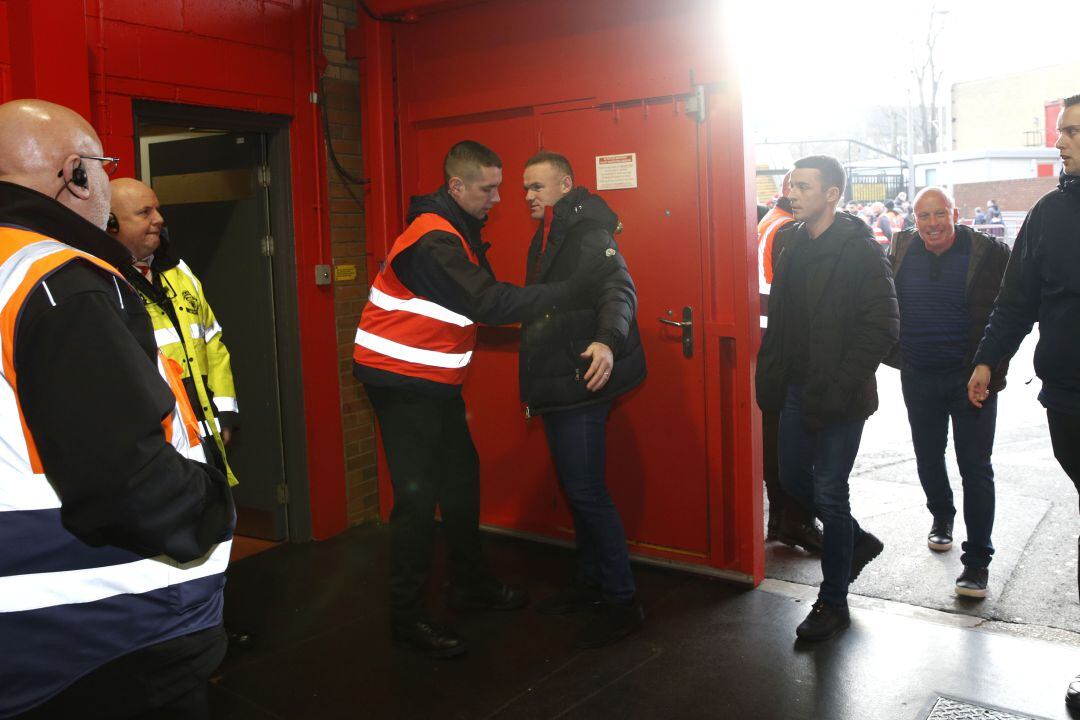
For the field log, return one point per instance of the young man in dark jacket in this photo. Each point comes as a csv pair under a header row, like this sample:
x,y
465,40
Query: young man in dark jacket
x,y
832,319
947,276
1042,283
413,347
574,362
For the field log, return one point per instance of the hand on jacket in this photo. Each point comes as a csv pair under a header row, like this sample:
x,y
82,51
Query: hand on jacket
x,y
599,371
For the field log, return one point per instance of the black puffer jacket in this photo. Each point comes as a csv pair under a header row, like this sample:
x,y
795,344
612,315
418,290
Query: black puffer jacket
x,y
986,267
854,323
551,368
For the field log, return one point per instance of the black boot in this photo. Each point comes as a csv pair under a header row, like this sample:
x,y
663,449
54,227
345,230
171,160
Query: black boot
x,y
823,622
612,622
940,537
1072,694
805,535
429,637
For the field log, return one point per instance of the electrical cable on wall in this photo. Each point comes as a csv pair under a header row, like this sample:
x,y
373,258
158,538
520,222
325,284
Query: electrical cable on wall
x,y
378,18
347,178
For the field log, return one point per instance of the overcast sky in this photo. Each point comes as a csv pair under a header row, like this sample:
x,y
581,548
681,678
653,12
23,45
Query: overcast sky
x,y
821,60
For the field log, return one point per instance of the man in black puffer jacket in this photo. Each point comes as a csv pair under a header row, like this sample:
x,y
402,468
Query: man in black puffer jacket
x,y
832,319
574,362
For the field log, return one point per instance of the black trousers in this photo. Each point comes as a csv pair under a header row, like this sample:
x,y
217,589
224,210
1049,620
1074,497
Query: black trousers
x,y
1065,437
784,510
167,681
433,463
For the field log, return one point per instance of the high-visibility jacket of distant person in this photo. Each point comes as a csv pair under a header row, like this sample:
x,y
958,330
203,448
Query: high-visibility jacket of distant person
x,y
187,331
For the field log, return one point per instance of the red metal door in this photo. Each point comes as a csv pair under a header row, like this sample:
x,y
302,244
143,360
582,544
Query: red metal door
x,y
595,78
657,433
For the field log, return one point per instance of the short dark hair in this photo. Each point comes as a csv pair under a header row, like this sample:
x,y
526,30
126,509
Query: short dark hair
x,y
467,158
554,159
1070,101
832,172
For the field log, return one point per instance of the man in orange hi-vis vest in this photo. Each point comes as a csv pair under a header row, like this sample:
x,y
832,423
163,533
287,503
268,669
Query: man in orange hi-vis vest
x,y
113,539
412,353
789,522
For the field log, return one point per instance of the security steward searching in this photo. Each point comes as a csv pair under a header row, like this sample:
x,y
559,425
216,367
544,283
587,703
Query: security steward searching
x,y
113,536
413,347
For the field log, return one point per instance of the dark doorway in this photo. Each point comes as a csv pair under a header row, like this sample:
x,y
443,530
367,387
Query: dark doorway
x,y
222,180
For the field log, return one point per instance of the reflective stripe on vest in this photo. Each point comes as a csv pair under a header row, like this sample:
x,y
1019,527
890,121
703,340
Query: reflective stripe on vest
x,y
402,333
67,607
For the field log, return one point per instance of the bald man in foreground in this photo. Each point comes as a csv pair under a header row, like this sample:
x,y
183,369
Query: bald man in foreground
x,y
947,276
114,536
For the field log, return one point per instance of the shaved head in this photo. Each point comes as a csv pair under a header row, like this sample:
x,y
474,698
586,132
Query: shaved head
x,y
933,192
136,208
40,145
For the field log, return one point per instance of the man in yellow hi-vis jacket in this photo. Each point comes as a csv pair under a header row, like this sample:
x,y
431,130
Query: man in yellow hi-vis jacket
x,y
184,324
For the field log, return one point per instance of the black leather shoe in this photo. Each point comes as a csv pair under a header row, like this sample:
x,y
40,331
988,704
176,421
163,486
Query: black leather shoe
x,y
1072,695
612,622
866,549
487,595
805,535
576,598
940,537
972,582
430,638
823,622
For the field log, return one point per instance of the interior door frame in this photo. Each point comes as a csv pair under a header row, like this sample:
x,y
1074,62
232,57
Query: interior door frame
x,y
283,261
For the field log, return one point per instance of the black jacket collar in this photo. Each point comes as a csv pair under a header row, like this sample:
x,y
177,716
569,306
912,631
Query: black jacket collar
x,y
441,204
1069,184
22,207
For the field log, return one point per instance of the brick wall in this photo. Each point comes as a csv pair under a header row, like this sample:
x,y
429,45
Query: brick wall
x,y
342,90
1011,195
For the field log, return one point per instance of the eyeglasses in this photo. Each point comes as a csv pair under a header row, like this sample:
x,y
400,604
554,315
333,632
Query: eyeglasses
x,y
109,164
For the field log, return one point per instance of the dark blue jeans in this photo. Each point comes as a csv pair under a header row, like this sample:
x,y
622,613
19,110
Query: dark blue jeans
x,y
932,399
814,468
576,439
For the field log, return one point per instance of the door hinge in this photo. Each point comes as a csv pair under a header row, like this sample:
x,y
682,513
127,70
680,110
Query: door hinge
x,y
282,491
695,104
263,175
268,245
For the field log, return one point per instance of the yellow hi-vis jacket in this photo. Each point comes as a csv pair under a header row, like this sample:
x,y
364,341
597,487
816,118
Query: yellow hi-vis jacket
x,y
195,343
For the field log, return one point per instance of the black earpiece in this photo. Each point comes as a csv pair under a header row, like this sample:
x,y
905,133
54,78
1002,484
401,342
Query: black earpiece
x,y
112,224
78,177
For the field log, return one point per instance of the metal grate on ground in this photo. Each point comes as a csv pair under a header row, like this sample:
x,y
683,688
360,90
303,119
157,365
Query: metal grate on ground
x,y
945,708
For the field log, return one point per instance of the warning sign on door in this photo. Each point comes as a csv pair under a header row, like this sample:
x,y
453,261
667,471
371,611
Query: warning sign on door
x,y
616,172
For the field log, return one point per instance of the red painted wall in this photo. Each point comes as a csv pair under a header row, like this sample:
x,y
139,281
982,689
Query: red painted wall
x,y
253,55
5,54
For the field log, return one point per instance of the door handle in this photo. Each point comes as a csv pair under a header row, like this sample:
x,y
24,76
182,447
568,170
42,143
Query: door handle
x,y
687,327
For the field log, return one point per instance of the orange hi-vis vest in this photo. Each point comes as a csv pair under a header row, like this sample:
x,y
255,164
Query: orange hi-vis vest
x,y
402,333
67,606
767,228
26,259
